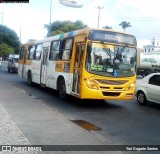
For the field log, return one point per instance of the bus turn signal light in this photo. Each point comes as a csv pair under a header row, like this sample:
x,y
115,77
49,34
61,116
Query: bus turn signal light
x,y
131,86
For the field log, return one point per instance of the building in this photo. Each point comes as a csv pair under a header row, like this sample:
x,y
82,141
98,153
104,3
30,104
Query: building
x,y
154,45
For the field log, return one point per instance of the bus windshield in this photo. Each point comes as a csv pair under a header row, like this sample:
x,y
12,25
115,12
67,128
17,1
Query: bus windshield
x,y
110,60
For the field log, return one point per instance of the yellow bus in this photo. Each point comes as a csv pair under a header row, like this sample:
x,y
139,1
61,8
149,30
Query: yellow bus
x,y
87,63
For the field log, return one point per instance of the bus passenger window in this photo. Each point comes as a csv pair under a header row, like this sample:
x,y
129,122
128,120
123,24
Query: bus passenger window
x,y
54,52
31,53
38,52
67,45
77,56
66,55
21,53
28,49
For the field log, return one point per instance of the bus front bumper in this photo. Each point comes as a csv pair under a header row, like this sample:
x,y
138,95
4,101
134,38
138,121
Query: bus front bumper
x,y
88,93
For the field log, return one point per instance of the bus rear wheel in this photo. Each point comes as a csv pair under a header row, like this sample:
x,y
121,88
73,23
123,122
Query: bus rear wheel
x,y
29,79
62,89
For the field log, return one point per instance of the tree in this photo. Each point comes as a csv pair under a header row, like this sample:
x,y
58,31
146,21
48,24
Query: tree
x,y
125,25
107,27
9,37
60,27
5,50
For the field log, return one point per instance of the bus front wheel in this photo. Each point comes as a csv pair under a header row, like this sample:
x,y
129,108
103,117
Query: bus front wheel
x,y
62,89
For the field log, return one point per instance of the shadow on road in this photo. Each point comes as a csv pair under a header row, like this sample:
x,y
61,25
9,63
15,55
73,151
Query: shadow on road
x,y
75,102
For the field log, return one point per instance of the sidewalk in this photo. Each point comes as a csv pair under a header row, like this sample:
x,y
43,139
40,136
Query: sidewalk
x,y
28,121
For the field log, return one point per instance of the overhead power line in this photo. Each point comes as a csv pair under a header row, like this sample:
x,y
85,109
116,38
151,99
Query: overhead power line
x,y
136,18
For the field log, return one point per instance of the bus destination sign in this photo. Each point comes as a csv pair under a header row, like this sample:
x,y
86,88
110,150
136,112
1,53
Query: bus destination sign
x,y
113,37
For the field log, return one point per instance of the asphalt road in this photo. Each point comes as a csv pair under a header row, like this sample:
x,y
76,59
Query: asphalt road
x,y
115,122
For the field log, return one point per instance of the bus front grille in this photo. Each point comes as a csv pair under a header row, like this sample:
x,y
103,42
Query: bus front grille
x,y
111,82
111,94
115,88
104,87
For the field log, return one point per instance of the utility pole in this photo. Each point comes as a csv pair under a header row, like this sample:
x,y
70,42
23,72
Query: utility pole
x,y
49,32
99,8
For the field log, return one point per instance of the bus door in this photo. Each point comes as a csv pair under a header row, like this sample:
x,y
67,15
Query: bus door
x,y
24,67
44,63
77,68
25,58
24,61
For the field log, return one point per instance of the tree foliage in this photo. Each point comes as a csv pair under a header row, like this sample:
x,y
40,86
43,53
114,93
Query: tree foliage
x,y
125,25
5,49
59,27
107,27
9,37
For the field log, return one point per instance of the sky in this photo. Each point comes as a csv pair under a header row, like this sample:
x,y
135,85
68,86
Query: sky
x,y
29,18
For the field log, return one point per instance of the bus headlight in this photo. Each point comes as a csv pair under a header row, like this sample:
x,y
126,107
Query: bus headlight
x,y
90,83
131,86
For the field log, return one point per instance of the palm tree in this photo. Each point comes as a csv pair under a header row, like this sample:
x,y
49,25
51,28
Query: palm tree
x,y
125,25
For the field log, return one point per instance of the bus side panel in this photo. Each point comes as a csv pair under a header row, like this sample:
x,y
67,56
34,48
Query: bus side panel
x,y
27,67
36,71
67,78
51,75
20,65
55,69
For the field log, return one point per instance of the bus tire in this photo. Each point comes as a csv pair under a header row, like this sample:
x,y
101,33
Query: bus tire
x,y
62,89
29,79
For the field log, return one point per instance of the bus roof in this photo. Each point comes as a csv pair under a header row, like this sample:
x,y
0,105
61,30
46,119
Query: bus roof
x,y
72,34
